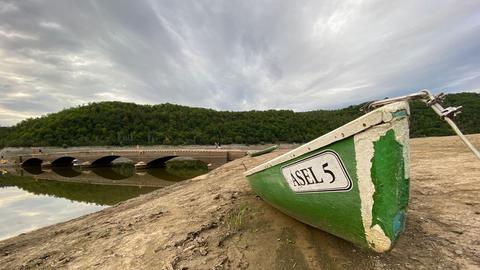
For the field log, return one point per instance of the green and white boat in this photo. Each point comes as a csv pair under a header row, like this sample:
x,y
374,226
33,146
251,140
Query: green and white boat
x,y
352,182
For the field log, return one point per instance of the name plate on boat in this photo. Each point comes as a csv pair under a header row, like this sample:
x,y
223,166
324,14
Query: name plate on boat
x,y
323,172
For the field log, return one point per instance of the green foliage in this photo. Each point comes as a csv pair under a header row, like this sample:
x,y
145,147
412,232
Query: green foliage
x,y
236,218
117,123
425,122
4,132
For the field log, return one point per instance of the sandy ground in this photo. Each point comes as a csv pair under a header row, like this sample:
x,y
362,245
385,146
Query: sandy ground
x,y
216,222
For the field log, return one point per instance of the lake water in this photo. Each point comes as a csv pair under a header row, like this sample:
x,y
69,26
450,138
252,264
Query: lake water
x,y
33,198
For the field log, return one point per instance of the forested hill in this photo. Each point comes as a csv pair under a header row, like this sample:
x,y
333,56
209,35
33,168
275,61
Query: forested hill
x,y
117,123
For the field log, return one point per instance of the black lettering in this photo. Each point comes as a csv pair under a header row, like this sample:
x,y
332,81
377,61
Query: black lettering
x,y
300,178
307,176
294,180
314,176
324,166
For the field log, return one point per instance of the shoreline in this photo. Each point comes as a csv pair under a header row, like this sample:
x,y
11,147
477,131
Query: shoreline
x,y
215,221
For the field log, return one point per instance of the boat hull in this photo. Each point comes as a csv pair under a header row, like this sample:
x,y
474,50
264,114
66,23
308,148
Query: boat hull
x,y
356,188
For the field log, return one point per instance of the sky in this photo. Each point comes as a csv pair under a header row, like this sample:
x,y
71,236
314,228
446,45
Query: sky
x,y
21,211
231,55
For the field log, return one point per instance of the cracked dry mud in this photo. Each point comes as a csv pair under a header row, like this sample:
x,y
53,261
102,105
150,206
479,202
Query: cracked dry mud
x,y
216,222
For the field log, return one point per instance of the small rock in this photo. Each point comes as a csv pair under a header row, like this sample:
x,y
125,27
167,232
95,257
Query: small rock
x,y
216,197
167,266
189,248
155,215
203,251
458,251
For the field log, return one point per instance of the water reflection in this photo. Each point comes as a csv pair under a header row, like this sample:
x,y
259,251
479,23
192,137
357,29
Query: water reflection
x,y
79,191
173,175
103,186
115,173
33,197
31,170
124,175
22,211
67,172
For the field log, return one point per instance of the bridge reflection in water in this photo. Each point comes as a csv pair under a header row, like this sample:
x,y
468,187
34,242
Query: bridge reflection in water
x,y
101,186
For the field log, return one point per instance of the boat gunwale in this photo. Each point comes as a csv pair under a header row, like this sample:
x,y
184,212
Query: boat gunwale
x,y
378,116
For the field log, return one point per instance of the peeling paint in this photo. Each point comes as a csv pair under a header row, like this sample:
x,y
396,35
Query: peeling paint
x,y
364,149
354,215
387,174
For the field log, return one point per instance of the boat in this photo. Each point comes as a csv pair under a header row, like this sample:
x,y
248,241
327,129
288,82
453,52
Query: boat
x,y
141,165
262,151
352,182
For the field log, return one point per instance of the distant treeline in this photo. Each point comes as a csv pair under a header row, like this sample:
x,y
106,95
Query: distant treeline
x,y
118,123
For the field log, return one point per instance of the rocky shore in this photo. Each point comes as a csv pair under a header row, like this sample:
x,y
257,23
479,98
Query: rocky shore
x,y
215,221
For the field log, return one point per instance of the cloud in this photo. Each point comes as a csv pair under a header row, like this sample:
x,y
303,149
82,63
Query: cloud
x,y
25,211
232,55
12,196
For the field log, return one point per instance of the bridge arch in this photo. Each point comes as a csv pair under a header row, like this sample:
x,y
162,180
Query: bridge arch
x,y
104,161
63,161
159,162
32,162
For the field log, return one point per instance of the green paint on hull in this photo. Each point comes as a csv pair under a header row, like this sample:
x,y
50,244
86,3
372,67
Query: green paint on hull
x,y
335,212
372,213
391,187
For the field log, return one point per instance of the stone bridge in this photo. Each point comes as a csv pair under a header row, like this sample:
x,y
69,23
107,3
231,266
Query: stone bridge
x,y
152,158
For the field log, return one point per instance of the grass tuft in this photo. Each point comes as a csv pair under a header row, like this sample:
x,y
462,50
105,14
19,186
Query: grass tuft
x,y
236,219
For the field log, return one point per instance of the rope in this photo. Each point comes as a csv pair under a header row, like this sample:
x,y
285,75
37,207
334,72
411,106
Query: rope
x,y
447,114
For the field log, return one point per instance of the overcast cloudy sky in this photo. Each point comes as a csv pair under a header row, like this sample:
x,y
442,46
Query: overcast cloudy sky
x,y
231,55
